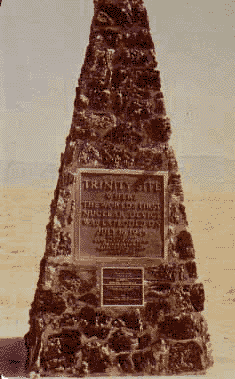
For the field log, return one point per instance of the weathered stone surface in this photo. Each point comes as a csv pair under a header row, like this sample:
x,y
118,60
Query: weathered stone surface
x,y
80,281
48,302
143,359
155,310
119,122
123,340
64,245
144,341
132,320
184,245
191,269
185,357
125,363
197,296
97,357
179,328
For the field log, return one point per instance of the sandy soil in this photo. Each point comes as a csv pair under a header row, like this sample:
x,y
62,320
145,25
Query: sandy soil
x,y
24,213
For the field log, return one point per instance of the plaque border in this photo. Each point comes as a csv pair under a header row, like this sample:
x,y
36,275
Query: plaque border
x,y
118,305
76,240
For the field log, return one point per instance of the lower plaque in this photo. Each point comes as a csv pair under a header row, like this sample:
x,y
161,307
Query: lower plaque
x,y
122,286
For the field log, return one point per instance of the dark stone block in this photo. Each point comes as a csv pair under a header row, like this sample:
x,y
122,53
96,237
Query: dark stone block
x,y
117,323
121,15
90,298
110,38
114,156
98,361
68,179
179,328
88,154
172,163
148,78
118,14
139,109
121,136
102,319
163,305
102,333
197,297
158,129
95,358
68,320
69,341
144,341
75,281
186,288
71,300
142,360
122,59
96,85
191,269
68,154
139,361
147,158
175,186
121,341
184,245
160,107
119,76
150,314
99,98
139,16
125,363
141,39
64,246
60,350
132,320
174,217
81,102
183,213
185,357
154,309
142,58
49,302
89,330
103,19
88,314
166,272
70,280
119,102
83,134
29,339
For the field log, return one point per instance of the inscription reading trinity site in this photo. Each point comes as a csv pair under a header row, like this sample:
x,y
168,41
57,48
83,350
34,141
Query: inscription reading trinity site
x,y
121,215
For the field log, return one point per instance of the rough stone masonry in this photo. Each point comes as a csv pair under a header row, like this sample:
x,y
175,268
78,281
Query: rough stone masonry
x,y
118,291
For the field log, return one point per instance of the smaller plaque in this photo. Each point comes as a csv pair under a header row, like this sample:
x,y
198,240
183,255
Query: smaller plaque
x,y
122,286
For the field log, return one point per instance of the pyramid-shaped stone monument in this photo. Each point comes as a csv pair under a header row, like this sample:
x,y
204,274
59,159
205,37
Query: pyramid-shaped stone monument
x,y
118,292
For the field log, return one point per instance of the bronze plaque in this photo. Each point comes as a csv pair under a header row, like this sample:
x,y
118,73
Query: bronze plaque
x,y
120,213
122,286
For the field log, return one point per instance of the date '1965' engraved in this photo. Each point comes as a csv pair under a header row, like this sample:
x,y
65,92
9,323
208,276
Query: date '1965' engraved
x,y
121,214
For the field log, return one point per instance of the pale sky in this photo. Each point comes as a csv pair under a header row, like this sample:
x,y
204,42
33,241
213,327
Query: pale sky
x,y
42,46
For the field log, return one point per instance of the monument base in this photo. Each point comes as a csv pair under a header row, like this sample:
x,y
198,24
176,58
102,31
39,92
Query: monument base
x,y
77,335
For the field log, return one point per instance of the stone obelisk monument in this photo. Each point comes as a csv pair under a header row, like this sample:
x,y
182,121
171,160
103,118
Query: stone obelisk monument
x,y
118,291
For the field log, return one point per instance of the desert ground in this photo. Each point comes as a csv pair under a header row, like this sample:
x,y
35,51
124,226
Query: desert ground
x,y
24,213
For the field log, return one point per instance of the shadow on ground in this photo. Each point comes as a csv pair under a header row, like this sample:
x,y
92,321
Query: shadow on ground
x,y
13,355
